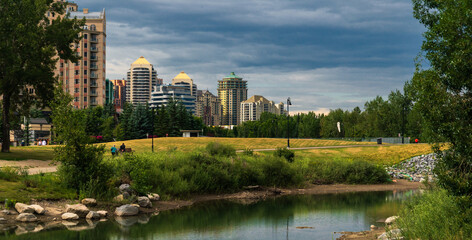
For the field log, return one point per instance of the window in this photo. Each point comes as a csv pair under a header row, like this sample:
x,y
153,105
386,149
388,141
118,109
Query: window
x,y
31,90
85,80
93,27
85,45
85,63
85,99
76,72
76,99
53,14
77,64
85,27
85,54
62,64
76,90
76,81
85,72
85,36
61,74
85,90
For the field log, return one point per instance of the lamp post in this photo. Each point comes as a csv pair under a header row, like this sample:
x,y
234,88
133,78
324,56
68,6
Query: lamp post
x,y
288,122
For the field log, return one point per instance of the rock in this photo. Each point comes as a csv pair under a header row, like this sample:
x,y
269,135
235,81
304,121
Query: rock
x,y
78,209
38,209
93,215
127,210
7,212
69,216
126,195
391,220
154,196
144,202
119,198
69,223
89,202
26,217
103,214
394,234
373,227
54,219
125,188
2,220
126,221
50,211
23,208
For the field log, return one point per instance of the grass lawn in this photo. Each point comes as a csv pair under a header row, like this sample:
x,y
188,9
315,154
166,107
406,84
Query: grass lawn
x,y
384,154
25,153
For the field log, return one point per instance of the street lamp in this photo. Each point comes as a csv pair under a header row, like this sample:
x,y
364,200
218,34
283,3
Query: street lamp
x,y
288,122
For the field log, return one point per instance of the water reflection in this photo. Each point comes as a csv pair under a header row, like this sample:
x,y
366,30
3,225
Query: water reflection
x,y
292,217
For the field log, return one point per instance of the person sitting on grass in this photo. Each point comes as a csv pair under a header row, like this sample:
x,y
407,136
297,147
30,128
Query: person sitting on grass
x,y
113,150
122,148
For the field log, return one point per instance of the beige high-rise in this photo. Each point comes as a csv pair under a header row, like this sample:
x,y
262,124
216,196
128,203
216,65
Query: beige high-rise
x,y
140,82
182,77
252,108
232,90
85,79
208,107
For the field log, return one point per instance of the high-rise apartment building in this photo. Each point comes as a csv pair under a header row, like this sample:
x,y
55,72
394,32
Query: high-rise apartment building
x,y
120,94
232,90
162,94
252,108
208,107
85,79
183,78
142,77
109,92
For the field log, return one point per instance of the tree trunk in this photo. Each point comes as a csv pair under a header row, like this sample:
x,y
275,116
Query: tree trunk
x,y
6,124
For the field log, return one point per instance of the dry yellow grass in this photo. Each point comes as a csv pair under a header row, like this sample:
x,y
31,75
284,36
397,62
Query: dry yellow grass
x,y
190,144
388,155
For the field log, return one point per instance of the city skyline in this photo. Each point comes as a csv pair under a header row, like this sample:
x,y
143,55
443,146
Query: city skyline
x,y
324,55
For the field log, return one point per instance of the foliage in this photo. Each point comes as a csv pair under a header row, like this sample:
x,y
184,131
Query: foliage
x,y
435,215
80,161
9,174
289,155
31,64
219,149
444,92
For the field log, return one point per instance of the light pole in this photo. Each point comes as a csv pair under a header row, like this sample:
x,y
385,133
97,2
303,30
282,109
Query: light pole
x,y
288,122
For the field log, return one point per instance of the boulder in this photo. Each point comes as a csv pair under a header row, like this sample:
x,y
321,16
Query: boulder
x,y
154,196
394,234
2,220
126,221
38,209
126,210
69,216
69,223
144,202
23,208
79,209
93,215
119,198
89,202
126,195
7,212
125,188
103,214
391,220
26,217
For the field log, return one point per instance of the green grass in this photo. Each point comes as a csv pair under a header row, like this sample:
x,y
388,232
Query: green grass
x,y
26,153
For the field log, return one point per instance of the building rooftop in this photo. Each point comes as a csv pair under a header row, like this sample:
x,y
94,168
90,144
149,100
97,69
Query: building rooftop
x,y
88,15
142,60
257,98
232,75
182,76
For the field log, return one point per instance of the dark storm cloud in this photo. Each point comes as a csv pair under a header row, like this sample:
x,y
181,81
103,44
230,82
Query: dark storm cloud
x,y
325,54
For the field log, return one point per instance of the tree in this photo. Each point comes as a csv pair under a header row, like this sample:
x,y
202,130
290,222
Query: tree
x,y
444,92
29,43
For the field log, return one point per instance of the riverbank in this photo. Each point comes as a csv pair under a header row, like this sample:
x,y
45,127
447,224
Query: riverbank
x,y
54,209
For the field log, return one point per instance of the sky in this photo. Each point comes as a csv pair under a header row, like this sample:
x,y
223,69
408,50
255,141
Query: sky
x,y
323,54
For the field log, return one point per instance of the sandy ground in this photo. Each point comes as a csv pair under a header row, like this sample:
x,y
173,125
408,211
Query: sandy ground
x,y
33,166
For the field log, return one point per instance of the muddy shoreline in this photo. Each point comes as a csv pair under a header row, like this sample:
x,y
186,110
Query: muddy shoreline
x,y
54,209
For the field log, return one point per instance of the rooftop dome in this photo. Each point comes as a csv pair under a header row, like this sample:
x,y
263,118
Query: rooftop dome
x,y
182,76
232,75
142,60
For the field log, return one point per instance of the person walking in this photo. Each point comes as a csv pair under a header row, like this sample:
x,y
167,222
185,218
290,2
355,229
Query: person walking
x,y
113,150
122,148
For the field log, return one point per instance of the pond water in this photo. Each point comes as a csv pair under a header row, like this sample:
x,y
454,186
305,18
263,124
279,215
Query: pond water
x,y
288,217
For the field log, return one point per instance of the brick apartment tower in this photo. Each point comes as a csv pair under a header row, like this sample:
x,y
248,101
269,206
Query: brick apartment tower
x,y
142,77
120,94
232,90
85,79
208,107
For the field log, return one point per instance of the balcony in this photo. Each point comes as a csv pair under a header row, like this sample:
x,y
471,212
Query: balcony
x,y
94,49
93,58
95,67
93,40
93,103
93,75
93,94
93,84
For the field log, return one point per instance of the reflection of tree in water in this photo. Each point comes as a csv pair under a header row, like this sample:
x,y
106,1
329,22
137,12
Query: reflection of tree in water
x,y
218,216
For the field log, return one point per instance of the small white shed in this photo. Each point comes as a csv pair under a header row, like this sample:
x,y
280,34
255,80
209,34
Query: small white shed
x,y
190,133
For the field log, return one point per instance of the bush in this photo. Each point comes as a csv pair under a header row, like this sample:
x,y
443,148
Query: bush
x,y
218,149
435,215
9,174
289,155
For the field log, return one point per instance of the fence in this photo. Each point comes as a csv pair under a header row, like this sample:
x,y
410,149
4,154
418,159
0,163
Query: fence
x,y
388,140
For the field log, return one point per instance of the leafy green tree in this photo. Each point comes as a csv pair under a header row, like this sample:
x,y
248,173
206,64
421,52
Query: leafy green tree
x,y
29,44
444,92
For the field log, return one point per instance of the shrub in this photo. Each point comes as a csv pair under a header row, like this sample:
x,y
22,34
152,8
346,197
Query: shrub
x,y
215,148
9,174
248,151
289,155
435,215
